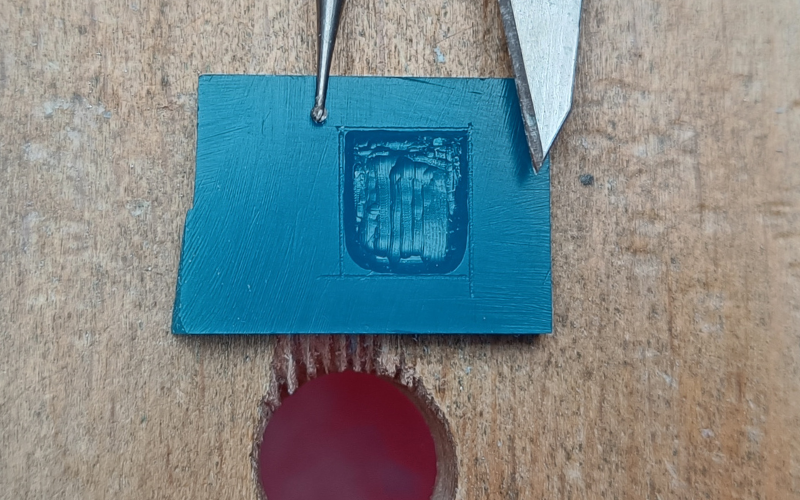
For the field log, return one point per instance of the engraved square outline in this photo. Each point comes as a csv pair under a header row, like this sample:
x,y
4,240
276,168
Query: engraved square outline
x,y
342,131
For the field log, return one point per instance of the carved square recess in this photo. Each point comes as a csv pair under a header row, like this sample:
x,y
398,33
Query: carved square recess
x,y
406,199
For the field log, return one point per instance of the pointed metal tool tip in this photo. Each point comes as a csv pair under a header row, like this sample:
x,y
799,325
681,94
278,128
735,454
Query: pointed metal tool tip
x,y
537,156
542,40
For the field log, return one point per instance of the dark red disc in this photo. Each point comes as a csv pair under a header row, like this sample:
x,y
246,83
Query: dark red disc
x,y
347,436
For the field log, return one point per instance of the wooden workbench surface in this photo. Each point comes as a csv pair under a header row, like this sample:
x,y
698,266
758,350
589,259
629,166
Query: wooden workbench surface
x,y
674,368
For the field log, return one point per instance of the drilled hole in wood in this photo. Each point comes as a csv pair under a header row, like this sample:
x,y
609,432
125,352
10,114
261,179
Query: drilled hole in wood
x,y
339,422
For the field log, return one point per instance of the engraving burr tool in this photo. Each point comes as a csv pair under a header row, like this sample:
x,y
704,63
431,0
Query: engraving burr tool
x,y
543,42
328,14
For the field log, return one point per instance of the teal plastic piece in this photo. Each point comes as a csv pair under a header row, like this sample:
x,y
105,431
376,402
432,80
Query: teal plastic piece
x,y
413,209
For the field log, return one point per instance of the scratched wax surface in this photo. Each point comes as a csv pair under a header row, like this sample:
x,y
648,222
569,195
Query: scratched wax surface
x,y
405,204
415,214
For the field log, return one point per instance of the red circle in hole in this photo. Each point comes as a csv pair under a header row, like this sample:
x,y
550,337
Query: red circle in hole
x,y
347,436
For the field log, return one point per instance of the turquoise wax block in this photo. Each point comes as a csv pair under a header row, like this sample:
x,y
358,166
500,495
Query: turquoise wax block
x,y
413,209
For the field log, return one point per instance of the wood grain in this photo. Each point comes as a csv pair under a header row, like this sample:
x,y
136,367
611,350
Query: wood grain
x,y
674,368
